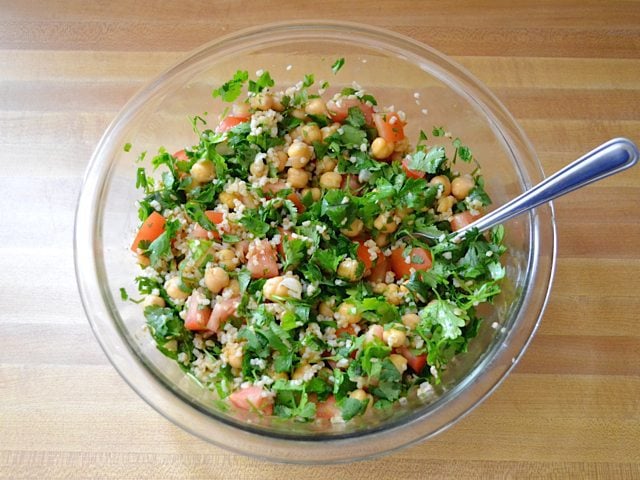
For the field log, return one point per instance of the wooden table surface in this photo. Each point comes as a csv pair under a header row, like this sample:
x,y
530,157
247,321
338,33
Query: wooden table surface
x,y
569,72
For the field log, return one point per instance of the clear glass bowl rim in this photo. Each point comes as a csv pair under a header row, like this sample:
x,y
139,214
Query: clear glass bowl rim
x,y
96,300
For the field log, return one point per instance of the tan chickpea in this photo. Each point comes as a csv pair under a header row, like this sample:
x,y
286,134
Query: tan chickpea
x,y
216,278
262,101
298,178
227,199
316,107
276,104
445,204
325,164
392,294
300,371
298,113
410,320
315,193
286,287
330,180
153,300
325,309
172,286
329,130
347,314
385,223
277,158
379,287
444,181
381,149
354,229
270,288
382,240
461,186
399,362
311,133
233,289
227,258
394,338
203,171
240,110
234,354
348,269
143,260
258,168
300,153
362,396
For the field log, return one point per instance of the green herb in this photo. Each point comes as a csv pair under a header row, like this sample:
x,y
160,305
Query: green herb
x,y
263,81
337,65
232,89
429,161
124,295
127,147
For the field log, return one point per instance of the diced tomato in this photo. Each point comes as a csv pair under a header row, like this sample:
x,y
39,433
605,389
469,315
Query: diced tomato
x,y
416,362
419,259
374,331
268,188
197,314
252,398
379,272
283,234
221,312
214,217
411,173
229,122
462,219
262,260
389,126
151,229
297,201
327,409
181,155
364,256
339,111
350,329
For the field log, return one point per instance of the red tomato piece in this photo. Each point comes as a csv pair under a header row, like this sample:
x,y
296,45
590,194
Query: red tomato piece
x,y
327,409
419,259
379,272
181,155
151,229
297,201
411,173
252,398
339,111
389,126
271,188
416,362
221,312
214,217
197,314
364,256
262,260
462,219
229,122
350,329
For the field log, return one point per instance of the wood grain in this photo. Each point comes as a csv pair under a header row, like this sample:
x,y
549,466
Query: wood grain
x,y
569,72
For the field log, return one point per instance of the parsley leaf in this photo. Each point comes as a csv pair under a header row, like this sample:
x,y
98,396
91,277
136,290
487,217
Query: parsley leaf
x,y
355,118
429,161
446,315
263,81
160,248
232,89
337,65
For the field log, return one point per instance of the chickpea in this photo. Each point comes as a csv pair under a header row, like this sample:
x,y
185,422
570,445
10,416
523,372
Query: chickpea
x,y
379,287
286,287
392,294
203,171
227,258
258,168
444,181
331,180
311,133
277,158
233,289
298,113
143,260
315,193
347,314
172,286
399,362
381,149
461,186
300,153
216,278
326,164
240,110
234,354
316,107
227,199
382,240
384,223
394,338
445,204
354,229
410,320
348,269
329,130
301,371
325,309
154,300
298,178
359,394
262,101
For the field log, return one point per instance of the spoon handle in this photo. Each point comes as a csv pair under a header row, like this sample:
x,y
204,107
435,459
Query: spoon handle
x,y
609,158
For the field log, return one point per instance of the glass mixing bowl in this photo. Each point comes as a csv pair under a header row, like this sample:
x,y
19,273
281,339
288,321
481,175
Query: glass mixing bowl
x,y
433,91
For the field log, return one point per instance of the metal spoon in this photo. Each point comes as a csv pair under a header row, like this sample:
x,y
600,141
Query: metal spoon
x,y
609,158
